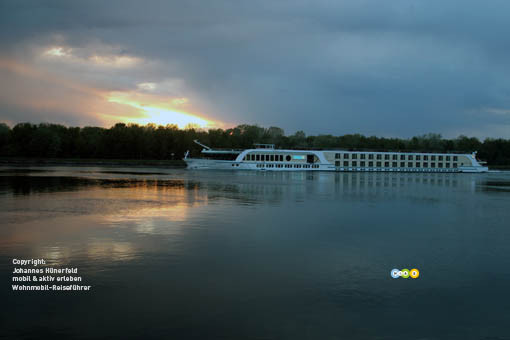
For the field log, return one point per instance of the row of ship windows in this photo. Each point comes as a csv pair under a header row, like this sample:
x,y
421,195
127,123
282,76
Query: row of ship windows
x,y
288,158
396,157
296,166
268,158
395,164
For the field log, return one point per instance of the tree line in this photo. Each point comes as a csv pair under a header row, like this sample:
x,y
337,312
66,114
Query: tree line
x,y
133,141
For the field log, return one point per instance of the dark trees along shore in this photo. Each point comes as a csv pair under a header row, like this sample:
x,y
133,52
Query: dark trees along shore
x,y
134,141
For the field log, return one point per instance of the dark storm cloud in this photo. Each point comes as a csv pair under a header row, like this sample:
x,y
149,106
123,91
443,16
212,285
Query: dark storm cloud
x,y
388,68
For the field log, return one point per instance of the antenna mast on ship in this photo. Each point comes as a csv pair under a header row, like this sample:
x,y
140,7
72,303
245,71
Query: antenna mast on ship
x,y
202,145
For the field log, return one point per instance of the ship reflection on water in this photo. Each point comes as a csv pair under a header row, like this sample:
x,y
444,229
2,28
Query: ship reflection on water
x,y
217,254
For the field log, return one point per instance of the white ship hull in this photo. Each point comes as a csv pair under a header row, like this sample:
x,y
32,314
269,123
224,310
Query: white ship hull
x,y
270,159
203,164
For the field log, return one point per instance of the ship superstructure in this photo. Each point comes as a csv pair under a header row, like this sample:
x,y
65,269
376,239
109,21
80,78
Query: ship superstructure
x,y
266,157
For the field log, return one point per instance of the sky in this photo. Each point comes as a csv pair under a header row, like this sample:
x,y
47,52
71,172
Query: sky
x,y
385,68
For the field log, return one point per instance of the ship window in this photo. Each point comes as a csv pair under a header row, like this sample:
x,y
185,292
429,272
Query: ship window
x,y
440,158
346,163
354,156
394,164
394,157
418,157
258,157
337,156
386,164
362,163
409,164
272,158
455,158
267,157
378,164
370,163
337,163
354,163
346,156
371,156
432,165
362,156
410,157
447,165
233,164
425,164
439,165
281,158
448,158
379,156
454,164
287,158
432,158
402,164
386,157
402,157
425,157
417,164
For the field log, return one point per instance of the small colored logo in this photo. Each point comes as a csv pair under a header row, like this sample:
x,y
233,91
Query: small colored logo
x,y
405,273
414,273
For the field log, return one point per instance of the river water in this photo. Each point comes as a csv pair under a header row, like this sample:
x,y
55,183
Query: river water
x,y
179,254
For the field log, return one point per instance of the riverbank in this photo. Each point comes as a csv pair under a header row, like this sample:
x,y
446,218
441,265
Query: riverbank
x,y
176,163
499,167
18,161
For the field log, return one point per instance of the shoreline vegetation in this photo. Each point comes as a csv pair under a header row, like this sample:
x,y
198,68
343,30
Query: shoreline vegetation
x,y
120,162
153,145
21,161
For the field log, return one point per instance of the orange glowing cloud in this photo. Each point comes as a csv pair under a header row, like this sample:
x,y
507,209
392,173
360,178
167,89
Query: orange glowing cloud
x,y
159,110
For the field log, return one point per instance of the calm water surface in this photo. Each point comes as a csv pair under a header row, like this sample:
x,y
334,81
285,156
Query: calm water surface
x,y
183,254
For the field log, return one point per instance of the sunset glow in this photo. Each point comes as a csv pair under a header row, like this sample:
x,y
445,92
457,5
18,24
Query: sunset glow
x,y
160,112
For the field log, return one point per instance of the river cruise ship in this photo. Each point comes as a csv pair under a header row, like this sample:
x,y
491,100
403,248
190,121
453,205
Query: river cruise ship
x,y
265,157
